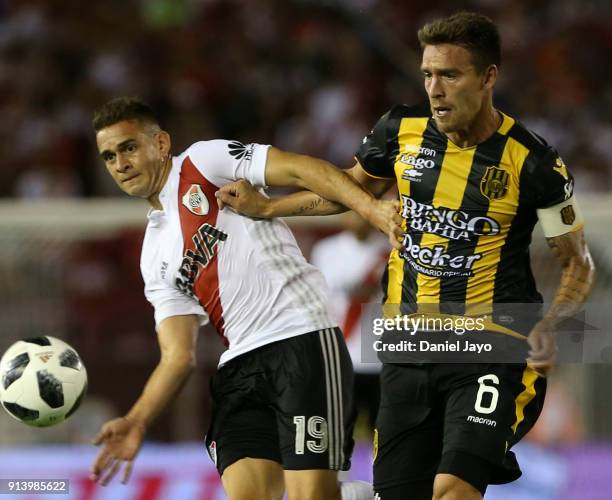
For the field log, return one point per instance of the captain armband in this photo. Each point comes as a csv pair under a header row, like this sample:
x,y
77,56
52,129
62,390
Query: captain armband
x,y
560,219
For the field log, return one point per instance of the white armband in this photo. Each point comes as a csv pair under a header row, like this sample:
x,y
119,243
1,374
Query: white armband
x,y
560,219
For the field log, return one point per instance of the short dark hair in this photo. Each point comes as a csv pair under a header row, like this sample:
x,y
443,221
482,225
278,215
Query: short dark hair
x,y
470,30
123,108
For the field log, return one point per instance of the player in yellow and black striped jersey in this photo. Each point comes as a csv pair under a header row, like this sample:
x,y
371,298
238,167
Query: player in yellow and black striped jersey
x,y
472,184
468,211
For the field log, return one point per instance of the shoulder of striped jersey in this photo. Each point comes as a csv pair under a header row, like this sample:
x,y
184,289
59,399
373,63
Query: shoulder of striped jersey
x,y
528,138
536,145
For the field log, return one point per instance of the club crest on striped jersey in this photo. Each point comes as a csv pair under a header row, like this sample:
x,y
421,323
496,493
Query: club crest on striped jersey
x,y
568,216
494,183
195,200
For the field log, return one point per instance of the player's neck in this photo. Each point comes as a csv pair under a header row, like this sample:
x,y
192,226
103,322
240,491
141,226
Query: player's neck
x,y
161,182
484,125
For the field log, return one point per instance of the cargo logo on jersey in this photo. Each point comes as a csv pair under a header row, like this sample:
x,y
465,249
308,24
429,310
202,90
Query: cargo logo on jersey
x,y
416,164
568,216
240,151
446,222
494,183
195,200
205,241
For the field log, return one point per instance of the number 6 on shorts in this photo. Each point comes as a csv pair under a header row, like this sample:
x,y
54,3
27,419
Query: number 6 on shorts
x,y
487,389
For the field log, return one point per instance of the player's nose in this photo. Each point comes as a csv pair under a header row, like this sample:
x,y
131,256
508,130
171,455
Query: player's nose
x,y
434,87
122,164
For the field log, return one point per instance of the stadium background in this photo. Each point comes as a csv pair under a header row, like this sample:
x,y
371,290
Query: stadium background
x,y
307,76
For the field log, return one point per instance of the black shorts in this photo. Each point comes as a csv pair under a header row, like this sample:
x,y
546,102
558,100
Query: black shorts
x,y
459,419
290,401
367,396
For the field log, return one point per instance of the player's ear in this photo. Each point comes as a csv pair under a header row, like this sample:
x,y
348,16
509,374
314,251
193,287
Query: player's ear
x,y
164,143
490,77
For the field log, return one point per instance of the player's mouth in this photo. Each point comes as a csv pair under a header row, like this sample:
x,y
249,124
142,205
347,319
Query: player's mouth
x,y
129,178
441,111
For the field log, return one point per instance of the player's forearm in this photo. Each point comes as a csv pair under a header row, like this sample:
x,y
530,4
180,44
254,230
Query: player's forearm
x,y
574,288
320,177
162,387
577,276
302,203
335,185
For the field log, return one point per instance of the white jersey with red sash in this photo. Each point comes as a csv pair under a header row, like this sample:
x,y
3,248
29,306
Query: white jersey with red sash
x,y
247,276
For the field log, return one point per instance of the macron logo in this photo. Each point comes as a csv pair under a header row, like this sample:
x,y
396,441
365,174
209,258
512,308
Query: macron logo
x,y
480,420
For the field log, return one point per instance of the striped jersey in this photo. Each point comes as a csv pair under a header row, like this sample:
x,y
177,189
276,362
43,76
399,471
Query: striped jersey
x,y
468,213
247,276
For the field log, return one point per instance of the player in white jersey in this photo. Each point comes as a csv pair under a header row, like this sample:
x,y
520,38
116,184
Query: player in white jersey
x,y
282,408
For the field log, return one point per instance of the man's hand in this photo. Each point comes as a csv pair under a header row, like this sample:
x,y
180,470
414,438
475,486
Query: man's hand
x,y
386,218
242,198
122,439
543,343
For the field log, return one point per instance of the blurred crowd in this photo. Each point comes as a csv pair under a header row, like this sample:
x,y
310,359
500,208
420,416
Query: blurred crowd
x,y
310,76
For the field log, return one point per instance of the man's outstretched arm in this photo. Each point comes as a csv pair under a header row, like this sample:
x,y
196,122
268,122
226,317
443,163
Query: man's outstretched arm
x,y
331,190
122,437
577,277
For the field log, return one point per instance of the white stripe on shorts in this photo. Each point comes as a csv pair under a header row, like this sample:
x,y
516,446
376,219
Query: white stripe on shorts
x,y
338,367
333,383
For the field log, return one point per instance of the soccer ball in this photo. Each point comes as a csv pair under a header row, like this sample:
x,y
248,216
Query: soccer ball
x,y
42,381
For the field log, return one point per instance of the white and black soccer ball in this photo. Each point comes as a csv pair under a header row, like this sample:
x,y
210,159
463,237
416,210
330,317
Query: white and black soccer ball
x,y
42,381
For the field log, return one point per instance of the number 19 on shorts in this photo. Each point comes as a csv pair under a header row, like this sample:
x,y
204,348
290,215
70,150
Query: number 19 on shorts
x,y
311,433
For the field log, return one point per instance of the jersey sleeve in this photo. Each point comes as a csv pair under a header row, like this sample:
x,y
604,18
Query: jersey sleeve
x,y
552,193
551,181
223,161
374,152
169,302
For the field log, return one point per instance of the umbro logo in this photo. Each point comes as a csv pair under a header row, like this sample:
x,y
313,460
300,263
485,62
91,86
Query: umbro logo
x,y
412,174
240,151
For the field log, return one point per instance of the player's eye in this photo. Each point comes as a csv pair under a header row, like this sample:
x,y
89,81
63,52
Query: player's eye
x,y
130,148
